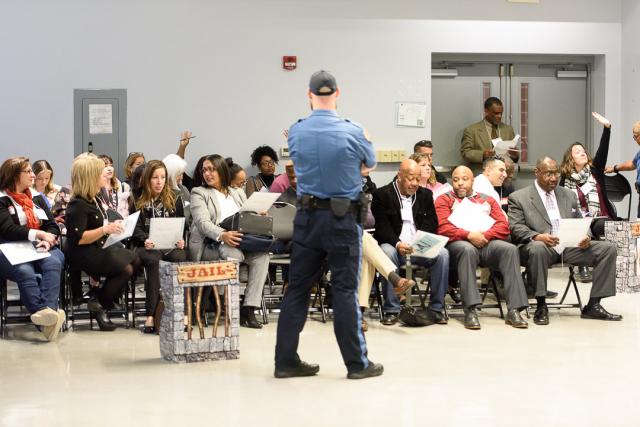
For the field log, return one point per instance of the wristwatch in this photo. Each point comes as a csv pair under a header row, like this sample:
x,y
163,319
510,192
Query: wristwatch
x,y
615,168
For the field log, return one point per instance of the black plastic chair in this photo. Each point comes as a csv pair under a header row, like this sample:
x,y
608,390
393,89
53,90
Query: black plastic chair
x,y
617,188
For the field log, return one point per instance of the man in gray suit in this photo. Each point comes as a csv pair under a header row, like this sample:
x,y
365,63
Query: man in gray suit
x,y
534,219
476,139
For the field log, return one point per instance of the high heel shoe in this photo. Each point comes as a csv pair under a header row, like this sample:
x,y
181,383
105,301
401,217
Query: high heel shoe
x,y
104,323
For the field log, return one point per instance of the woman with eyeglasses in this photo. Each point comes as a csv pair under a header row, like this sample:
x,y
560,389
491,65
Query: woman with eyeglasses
x,y
25,218
157,201
211,203
43,183
584,175
132,162
630,164
266,159
238,175
88,227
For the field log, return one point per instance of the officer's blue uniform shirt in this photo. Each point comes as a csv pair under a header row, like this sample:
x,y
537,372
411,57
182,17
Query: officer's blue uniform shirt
x,y
327,152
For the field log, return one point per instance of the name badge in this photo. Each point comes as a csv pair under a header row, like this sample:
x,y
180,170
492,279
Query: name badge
x,y
407,213
40,213
586,188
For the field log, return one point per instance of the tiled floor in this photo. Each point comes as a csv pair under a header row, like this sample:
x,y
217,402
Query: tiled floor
x,y
573,373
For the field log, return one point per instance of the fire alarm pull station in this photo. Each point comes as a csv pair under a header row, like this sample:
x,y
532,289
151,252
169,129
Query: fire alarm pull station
x,y
289,63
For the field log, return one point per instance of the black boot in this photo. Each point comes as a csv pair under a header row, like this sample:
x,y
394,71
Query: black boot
x,y
248,318
104,323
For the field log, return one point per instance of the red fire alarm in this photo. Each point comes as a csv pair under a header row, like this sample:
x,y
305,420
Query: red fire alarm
x,y
289,63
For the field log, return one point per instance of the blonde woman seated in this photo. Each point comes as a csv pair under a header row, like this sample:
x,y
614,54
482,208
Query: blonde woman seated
x,y
43,182
427,177
211,203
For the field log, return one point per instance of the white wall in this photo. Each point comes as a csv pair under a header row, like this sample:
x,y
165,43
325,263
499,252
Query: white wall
x,y
215,68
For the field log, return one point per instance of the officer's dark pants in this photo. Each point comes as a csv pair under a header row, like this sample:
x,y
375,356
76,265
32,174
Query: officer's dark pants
x,y
317,235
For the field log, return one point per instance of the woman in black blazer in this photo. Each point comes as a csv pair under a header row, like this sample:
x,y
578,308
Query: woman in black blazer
x,y
87,230
24,217
156,201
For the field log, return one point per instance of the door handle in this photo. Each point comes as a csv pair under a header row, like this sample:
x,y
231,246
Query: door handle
x,y
90,147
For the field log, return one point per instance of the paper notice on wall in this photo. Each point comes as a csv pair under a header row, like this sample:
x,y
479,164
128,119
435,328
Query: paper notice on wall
x,y
100,119
412,114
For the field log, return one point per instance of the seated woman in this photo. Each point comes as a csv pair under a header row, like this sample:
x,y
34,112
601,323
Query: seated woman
x,y
176,166
585,176
87,229
157,201
427,177
238,175
114,195
210,205
43,183
25,216
266,159
132,162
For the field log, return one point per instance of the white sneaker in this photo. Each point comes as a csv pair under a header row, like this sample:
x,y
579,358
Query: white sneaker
x,y
45,317
51,332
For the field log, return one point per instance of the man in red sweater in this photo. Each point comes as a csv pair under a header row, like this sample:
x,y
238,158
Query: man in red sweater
x,y
484,245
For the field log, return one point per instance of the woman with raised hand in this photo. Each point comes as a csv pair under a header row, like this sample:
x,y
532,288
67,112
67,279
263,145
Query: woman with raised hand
x,y
157,201
88,227
25,217
211,203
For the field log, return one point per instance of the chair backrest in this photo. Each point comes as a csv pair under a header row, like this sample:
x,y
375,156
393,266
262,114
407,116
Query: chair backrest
x,y
283,215
617,188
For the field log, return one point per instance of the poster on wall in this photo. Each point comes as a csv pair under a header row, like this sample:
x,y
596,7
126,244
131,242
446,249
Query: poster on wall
x,y
411,114
100,119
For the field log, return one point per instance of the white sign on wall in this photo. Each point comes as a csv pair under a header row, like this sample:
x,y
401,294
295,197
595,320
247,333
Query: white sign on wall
x,y
100,119
411,114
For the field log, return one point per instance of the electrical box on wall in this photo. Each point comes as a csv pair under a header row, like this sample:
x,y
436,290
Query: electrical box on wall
x,y
284,151
390,156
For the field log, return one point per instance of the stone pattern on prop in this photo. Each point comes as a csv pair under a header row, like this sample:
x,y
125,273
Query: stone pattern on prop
x,y
174,346
625,235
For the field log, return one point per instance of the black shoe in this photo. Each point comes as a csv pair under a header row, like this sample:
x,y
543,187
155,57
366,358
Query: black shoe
x,y
390,319
103,320
471,318
149,330
551,294
515,319
599,313
303,369
248,318
454,293
372,370
94,305
541,316
438,317
584,275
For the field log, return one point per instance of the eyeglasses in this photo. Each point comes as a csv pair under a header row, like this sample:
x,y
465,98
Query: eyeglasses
x,y
28,171
267,163
208,170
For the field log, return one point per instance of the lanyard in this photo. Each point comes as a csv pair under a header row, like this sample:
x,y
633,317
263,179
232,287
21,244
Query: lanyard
x,y
159,211
105,219
395,187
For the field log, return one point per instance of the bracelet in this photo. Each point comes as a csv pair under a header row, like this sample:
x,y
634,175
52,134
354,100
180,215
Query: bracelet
x,y
103,233
615,168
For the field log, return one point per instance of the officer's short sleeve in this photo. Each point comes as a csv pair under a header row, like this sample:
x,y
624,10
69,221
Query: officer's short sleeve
x,y
367,153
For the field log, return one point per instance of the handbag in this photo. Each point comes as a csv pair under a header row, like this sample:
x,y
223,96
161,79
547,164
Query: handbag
x,y
409,316
249,223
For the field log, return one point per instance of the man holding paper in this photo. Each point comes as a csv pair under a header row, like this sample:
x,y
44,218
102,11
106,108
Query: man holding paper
x,y
478,139
535,214
477,228
401,209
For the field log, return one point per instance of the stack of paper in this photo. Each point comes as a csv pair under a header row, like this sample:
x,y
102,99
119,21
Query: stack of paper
x,y
501,147
472,216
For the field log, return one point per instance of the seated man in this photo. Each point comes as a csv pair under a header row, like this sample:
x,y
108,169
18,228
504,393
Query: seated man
x,y
400,209
494,172
534,218
470,248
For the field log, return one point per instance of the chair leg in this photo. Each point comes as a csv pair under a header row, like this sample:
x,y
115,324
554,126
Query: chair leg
x,y
497,295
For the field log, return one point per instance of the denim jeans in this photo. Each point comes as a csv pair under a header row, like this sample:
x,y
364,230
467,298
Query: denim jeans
x,y
439,267
36,293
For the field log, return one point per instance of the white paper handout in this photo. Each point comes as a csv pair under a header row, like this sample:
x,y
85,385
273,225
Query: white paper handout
x,y
500,146
129,224
572,231
472,216
21,252
428,245
259,202
166,232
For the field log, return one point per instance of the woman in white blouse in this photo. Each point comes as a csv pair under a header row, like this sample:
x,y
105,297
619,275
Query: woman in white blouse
x,y
211,203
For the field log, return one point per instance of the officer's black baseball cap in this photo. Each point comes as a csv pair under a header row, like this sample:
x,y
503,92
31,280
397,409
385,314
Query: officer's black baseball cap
x,y
322,83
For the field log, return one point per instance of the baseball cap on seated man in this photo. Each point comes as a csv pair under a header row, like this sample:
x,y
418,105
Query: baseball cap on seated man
x,y
322,83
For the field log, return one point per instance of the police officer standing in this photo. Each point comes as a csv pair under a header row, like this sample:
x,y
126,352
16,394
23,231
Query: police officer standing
x,y
328,153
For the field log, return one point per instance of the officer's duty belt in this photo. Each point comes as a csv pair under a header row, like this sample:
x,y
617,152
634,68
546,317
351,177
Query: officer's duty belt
x,y
308,201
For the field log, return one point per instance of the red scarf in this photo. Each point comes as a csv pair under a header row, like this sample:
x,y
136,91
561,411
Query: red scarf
x,y
26,203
